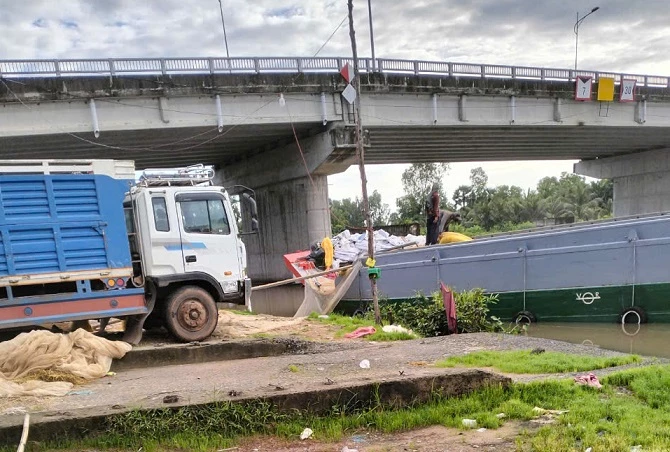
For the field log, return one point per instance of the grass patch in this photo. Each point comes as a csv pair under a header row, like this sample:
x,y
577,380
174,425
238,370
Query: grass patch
x,y
240,312
606,420
524,362
293,368
348,324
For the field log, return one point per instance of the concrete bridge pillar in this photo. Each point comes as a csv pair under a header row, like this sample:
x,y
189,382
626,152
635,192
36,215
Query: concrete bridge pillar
x,y
641,181
291,186
292,215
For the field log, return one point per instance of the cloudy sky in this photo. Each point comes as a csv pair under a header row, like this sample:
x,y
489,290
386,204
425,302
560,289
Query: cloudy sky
x,y
624,35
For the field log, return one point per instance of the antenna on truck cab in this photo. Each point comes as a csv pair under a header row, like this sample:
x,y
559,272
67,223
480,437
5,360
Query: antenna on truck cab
x,y
195,175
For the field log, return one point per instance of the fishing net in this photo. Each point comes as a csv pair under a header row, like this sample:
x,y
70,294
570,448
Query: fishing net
x,y
322,294
42,363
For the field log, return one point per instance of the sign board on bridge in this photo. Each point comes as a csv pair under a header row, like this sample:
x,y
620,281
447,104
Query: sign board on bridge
x,y
605,89
349,92
627,93
347,72
583,88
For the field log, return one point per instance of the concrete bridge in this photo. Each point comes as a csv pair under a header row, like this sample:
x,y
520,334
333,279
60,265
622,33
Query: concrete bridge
x,y
281,126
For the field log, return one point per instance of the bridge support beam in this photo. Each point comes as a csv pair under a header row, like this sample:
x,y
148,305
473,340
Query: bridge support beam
x,y
291,185
641,180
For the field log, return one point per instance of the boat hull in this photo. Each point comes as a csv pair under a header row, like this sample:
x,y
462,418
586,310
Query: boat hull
x,y
589,273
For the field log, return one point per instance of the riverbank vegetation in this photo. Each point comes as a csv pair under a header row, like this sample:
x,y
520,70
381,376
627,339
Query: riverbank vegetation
x,y
484,209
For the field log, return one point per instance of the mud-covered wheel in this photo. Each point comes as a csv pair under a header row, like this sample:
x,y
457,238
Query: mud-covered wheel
x,y
191,314
525,318
634,315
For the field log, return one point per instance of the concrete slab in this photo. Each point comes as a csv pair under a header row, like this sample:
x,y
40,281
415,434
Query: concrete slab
x,y
402,372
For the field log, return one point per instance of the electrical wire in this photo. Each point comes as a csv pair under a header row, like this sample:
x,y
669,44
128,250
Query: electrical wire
x,y
331,36
120,148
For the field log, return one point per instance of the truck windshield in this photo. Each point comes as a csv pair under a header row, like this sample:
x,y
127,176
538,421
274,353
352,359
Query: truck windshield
x,y
205,217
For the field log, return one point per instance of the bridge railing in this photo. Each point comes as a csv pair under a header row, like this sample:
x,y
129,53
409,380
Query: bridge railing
x,y
256,65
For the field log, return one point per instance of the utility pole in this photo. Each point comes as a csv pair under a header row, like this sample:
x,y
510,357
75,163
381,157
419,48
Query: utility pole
x,y
360,151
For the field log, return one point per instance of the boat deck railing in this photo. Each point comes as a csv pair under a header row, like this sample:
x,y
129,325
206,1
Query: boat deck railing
x,y
573,226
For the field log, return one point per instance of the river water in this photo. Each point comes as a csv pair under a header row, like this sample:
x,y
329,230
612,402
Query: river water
x,y
648,339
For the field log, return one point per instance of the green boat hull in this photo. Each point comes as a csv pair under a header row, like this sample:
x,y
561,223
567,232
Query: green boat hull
x,y
593,304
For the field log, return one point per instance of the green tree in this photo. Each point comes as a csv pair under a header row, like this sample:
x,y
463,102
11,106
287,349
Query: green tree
x,y
478,181
463,197
533,208
417,180
345,213
379,211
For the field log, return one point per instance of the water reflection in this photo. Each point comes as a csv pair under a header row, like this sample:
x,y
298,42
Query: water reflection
x,y
648,340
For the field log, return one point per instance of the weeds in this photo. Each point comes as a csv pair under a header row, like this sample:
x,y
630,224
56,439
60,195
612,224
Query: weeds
x,y
606,420
427,316
524,362
348,324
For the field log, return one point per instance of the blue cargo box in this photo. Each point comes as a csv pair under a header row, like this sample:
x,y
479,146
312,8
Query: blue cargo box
x,y
55,224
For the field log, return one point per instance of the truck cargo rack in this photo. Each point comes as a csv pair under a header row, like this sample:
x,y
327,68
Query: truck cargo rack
x,y
116,169
194,175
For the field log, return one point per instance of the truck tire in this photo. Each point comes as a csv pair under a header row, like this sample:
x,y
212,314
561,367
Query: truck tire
x,y
191,314
525,317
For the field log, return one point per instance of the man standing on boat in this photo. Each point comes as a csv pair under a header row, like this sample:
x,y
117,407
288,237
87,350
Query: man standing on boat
x,y
432,208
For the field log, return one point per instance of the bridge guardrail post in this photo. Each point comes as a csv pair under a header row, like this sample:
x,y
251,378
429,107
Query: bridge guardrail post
x,y
210,64
450,68
513,72
163,67
112,69
416,68
257,66
299,64
646,81
483,71
57,68
543,74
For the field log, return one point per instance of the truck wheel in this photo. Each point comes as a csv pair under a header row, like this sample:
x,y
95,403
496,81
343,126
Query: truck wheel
x,y
191,314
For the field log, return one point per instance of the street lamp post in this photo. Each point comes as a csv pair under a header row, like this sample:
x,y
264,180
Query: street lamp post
x,y
576,30
225,37
372,36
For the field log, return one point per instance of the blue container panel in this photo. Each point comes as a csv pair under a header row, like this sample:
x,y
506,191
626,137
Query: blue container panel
x,y
24,200
76,200
61,223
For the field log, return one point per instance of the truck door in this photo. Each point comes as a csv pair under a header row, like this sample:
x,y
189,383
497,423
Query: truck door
x,y
207,239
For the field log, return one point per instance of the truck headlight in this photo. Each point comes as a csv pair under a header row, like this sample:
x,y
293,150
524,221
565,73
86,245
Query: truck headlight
x,y
230,287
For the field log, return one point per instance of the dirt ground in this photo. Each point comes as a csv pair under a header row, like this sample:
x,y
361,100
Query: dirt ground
x,y
238,326
431,439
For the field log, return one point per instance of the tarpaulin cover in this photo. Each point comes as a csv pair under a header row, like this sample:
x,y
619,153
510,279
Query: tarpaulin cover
x,y
79,354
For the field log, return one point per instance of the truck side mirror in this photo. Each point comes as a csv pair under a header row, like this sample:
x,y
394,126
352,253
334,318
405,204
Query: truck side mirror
x,y
253,210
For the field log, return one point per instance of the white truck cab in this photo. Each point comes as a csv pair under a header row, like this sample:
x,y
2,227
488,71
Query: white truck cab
x,y
186,248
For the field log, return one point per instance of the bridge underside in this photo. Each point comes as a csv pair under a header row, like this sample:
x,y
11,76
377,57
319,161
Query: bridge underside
x,y
387,144
159,148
